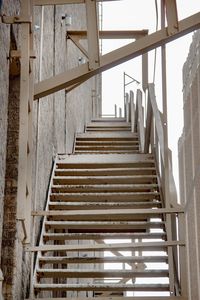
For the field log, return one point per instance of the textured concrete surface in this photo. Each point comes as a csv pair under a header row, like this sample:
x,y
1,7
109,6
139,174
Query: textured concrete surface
x,y
189,160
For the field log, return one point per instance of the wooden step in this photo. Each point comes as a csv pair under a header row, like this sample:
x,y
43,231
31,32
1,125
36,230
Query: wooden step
x,y
106,152
106,172
100,287
103,236
104,179
99,260
144,246
107,136
109,215
105,161
108,124
92,225
107,143
103,188
106,148
100,205
70,273
106,197
118,298
109,119
108,129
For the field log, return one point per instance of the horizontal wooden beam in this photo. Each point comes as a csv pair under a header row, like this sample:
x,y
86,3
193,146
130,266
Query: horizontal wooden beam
x,y
96,260
60,2
119,298
110,34
103,236
71,273
101,287
150,246
117,213
115,57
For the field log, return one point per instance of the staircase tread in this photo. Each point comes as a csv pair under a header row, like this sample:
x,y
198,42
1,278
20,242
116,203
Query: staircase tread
x,y
105,287
93,259
84,273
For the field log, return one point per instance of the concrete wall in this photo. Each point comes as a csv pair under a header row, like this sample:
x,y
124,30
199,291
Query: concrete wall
x,y
56,119
189,162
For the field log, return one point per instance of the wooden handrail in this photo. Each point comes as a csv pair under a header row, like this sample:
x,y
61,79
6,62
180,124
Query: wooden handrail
x,y
157,118
140,124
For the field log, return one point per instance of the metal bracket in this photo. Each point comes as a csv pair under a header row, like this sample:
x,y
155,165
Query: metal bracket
x,y
17,54
15,19
24,229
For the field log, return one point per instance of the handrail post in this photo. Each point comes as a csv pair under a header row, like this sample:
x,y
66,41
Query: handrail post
x,y
140,119
132,109
115,110
148,125
127,107
120,112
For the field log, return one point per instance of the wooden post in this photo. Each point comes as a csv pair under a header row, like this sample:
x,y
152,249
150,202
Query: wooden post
x,y
127,107
115,110
166,161
132,108
120,112
25,129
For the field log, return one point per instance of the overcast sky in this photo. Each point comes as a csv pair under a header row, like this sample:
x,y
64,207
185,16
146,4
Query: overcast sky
x,y
141,14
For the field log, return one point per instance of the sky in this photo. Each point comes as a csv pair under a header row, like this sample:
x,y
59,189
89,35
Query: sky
x,y
141,14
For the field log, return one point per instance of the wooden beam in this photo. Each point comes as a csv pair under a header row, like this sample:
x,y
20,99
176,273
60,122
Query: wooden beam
x,y
71,273
172,16
110,34
92,34
75,40
62,2
115,57
145,246
116,213
119,298
96,260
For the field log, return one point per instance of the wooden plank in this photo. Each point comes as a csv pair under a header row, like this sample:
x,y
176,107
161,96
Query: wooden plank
x,y
103,225
99,205
111,34
72,180
102,287
109,214
103,236
146,246
62,2
96,260
104,197
104,188
119,298
106,172
108,124
105,161
70,273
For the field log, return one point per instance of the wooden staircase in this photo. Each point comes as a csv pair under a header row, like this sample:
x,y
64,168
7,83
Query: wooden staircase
x,y
104,230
